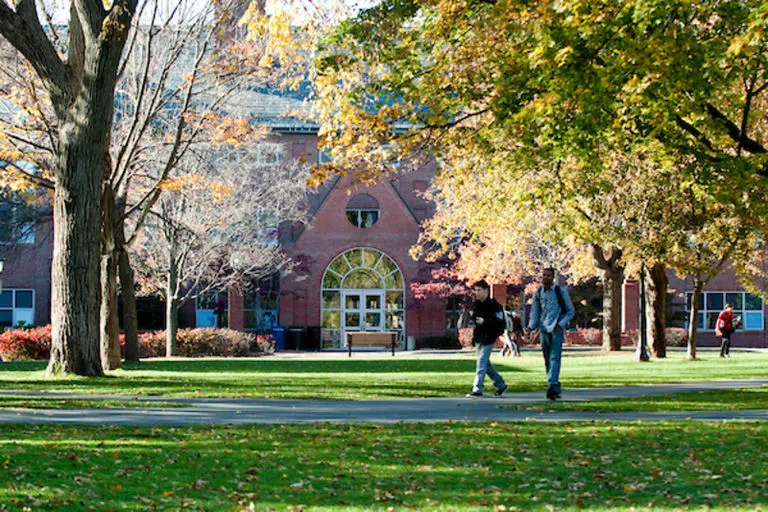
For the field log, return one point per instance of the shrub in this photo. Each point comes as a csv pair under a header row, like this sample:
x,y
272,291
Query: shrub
x,y
207,342
441,342
591,336
465,337
264,344
676,337
20,344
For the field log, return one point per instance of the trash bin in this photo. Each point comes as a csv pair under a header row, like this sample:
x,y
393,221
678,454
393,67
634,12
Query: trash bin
x,y
313,338
278,333
298,338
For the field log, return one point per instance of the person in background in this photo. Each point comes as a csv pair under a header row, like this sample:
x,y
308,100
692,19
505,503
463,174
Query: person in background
x,y
551,311
488,319
724,328
512,333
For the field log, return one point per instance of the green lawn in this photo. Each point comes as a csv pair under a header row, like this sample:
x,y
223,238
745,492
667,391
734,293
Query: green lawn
x,y
363,377
722,400
442,466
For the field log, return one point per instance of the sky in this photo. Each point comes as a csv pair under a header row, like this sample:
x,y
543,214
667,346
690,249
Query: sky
x,y
60,8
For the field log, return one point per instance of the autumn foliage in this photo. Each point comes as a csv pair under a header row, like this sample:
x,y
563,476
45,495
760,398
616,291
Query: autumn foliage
x,y
207,342
35,344
20,344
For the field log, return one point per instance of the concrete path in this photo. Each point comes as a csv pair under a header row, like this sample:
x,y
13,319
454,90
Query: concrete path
x,y
489,408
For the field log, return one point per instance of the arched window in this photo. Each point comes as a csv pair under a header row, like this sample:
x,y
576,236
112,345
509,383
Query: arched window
x,y
362,290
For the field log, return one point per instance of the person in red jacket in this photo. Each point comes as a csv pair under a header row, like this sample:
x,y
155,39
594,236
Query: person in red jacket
x,y
724,328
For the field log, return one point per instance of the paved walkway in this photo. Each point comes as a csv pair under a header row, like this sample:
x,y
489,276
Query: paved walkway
x,y
250,411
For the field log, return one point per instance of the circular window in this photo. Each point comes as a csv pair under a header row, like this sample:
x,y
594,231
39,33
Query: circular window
x,y
363,211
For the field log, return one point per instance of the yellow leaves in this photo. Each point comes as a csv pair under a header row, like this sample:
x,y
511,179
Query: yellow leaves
x,y
196,183
562,55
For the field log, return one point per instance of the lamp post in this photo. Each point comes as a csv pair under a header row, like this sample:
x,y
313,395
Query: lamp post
x,y
2,263
642,346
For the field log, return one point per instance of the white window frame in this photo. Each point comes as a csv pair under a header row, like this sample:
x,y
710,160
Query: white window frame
x,y
737,312
259,154
331,335
18,314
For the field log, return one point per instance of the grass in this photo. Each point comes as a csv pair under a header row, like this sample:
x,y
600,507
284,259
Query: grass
x,y
441,467
39,402
723,400
363,378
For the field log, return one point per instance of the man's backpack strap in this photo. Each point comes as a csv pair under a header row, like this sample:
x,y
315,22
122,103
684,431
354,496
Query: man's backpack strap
x,y
560,300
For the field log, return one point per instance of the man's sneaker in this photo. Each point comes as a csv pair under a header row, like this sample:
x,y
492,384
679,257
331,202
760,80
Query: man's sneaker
x,y
500,392
474,394
552,394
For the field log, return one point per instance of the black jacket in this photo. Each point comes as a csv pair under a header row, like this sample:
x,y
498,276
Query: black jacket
x,y
493,322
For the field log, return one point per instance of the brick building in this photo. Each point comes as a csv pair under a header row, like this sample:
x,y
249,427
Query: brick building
x,y
355,272
723,289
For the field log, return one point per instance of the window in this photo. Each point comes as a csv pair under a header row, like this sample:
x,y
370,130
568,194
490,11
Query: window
x,y
324,157
248,155
363,211
268,226
17,307
212,309
746,306
363,218
261,306
268,154
362,289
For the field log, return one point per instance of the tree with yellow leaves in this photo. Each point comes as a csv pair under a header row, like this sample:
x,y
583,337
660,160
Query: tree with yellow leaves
x,y
533,107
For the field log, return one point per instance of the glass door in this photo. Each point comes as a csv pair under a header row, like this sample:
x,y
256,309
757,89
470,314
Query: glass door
x,y
362,310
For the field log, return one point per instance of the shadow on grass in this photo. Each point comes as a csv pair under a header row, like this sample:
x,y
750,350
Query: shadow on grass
x,y
310,366
23,366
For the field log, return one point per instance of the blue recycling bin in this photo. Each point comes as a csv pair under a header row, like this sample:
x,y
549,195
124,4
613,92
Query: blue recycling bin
x,y
278,333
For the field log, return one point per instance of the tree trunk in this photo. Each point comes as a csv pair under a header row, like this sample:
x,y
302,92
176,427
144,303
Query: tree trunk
x,y
612,276
127,288
109,325
130,317
171,310
612,283
656,309
75,275
171,327
82,94
693,322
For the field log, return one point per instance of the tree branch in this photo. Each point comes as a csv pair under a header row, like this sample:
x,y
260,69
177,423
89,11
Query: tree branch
x,y
749,145
23,30
688,127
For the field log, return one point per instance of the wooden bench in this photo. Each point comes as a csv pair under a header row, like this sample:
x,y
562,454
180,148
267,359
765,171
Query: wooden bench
x,y
371,339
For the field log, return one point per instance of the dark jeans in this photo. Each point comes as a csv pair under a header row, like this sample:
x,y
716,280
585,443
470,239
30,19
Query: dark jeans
x,y
725,345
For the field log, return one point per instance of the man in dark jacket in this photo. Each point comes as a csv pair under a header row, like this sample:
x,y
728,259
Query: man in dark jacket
x,y
488,319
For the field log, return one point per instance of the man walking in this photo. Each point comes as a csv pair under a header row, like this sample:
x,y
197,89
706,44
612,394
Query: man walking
x,y
550,313
488,318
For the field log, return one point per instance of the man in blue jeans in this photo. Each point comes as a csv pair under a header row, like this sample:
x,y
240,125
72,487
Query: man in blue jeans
x,y
488,320
551,311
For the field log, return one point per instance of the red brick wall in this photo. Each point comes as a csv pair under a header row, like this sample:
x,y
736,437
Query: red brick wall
x,y
726,281
29,266
330,233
